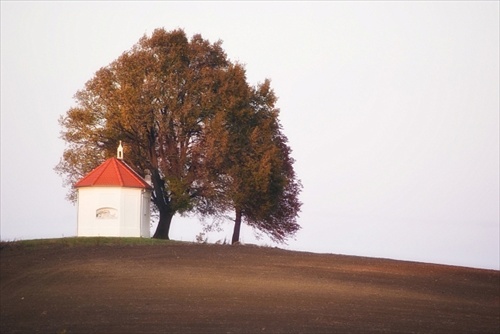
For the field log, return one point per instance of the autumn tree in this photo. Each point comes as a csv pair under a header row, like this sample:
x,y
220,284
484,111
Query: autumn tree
x,y
165,99
253,163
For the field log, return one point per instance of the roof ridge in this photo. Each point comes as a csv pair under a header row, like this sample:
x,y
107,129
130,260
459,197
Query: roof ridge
x,y
118,171
102,170
134,173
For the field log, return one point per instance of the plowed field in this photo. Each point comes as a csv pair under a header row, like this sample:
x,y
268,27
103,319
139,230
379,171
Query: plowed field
x,y
197,288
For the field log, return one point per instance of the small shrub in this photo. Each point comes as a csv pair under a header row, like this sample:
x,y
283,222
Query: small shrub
x,y
201,238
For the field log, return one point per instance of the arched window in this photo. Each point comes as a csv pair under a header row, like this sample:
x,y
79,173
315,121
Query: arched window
x,y
106,213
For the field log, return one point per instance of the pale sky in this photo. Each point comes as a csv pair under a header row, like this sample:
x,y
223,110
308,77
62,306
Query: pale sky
x,y
391,109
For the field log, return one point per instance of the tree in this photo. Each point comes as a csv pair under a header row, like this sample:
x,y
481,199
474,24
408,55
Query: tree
x,y
253,165
164,99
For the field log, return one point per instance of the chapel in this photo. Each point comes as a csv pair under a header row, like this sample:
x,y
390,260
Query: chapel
x,y
113,201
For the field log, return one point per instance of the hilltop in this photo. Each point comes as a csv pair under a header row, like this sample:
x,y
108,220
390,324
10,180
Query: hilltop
x,y
104,285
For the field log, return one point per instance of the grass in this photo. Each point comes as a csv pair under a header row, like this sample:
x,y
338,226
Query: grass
x,y
83,241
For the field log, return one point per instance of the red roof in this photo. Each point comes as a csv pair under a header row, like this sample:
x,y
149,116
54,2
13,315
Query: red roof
x,y
113,172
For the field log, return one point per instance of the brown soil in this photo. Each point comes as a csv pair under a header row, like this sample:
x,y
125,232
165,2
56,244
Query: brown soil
x,y
194,288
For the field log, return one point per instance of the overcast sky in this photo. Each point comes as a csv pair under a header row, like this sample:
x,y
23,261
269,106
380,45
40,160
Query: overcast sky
x,y
391,109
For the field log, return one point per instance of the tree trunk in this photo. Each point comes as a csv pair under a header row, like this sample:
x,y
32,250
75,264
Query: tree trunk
x,y
163,225
237,227
162,204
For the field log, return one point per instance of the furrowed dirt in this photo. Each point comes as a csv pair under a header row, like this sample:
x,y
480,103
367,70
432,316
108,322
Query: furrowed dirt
x,y
197,288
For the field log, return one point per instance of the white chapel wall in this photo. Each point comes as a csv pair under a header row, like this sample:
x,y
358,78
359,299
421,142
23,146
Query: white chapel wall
x,y
146,214
110,211
130,210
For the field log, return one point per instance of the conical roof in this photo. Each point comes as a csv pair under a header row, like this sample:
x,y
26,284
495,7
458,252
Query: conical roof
x,y
113,173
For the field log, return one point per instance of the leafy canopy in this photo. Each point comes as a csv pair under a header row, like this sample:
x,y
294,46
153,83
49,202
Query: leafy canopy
x,y
185,113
